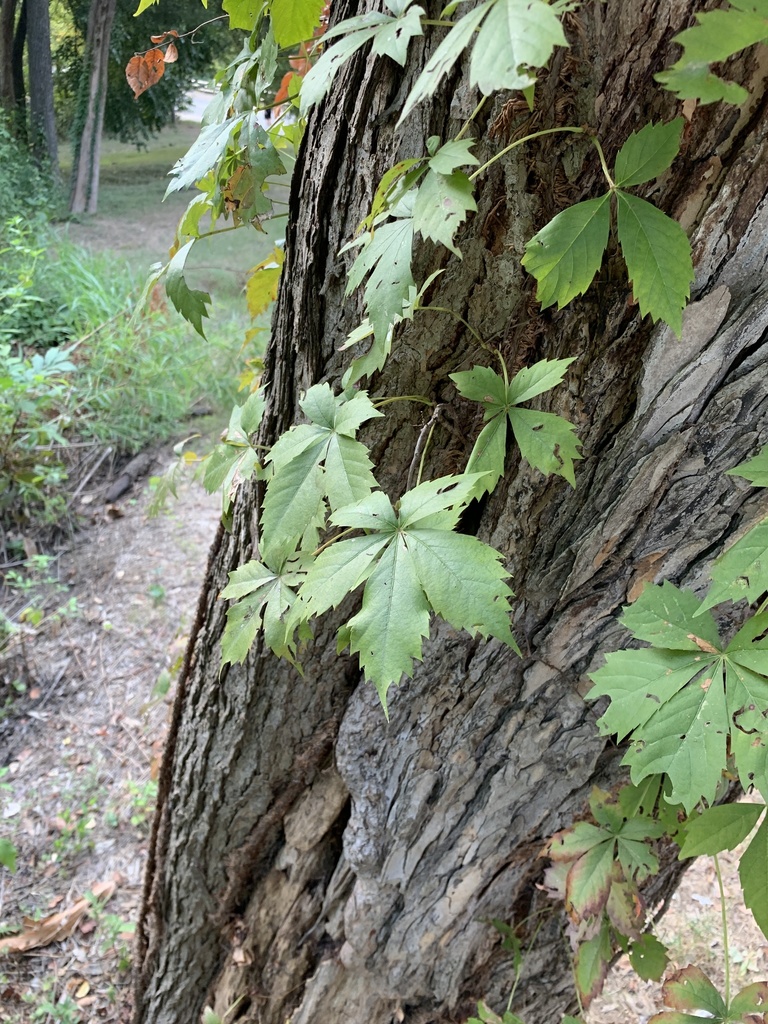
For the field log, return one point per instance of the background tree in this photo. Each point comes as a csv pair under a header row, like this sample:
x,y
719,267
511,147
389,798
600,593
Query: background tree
x,y
311,859
84,189
43,137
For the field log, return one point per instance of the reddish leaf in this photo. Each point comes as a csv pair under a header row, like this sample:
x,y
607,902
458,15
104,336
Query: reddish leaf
x,y
589,882
282,93
57,926
171,54
691,989
145,70
591,965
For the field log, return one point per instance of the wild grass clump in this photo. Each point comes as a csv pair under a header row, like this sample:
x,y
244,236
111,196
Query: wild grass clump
x,y
76,364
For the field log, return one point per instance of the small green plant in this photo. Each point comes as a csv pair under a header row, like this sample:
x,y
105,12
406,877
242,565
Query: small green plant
x,y
143,799
50,1009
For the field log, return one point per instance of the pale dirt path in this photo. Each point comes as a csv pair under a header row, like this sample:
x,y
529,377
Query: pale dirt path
x,y
83,752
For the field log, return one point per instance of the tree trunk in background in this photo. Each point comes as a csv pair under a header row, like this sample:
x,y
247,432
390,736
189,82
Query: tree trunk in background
x,y
41,115
17,75
7,19
321,862
84,192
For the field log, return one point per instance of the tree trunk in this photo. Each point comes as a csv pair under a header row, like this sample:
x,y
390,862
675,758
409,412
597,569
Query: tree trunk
x,y
42,119
17,75
311,857
84,193
7,18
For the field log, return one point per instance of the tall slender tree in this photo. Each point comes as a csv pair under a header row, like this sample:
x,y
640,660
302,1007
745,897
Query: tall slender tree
x,y
89,122
43,137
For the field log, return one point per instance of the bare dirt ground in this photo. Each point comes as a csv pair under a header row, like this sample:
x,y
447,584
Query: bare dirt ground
x,y
83,748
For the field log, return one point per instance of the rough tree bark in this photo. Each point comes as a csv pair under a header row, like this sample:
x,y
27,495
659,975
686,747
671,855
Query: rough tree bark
x,y
84,193
314,859
41,116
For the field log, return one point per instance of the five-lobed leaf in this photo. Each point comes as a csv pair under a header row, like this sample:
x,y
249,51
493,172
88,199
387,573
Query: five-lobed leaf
x,y
547,441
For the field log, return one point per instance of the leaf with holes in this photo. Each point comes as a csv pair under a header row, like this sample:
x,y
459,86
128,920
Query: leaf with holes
x,y
442,204
742,571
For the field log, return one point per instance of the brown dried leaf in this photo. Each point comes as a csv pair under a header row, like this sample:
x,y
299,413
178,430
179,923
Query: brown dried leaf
x,y
171,54
145,70
57,926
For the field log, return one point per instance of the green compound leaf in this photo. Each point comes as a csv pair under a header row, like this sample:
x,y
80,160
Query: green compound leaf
x,y
516,35
648,153
742,571
753,875
566,254
412,564
717,36
755,470
312,462
262,597
386,257
444,57
442,204
658,257
719,828
390,36
294,20
191,303
547,441
648,957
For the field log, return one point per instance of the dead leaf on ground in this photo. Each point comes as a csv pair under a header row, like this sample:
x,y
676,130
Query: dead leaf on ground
x,y
57,926
145,70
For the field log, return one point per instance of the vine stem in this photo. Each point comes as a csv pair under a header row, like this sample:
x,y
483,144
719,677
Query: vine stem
x,y
603,164
402,398
327,544
471,118
470,328
724,915
529,138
